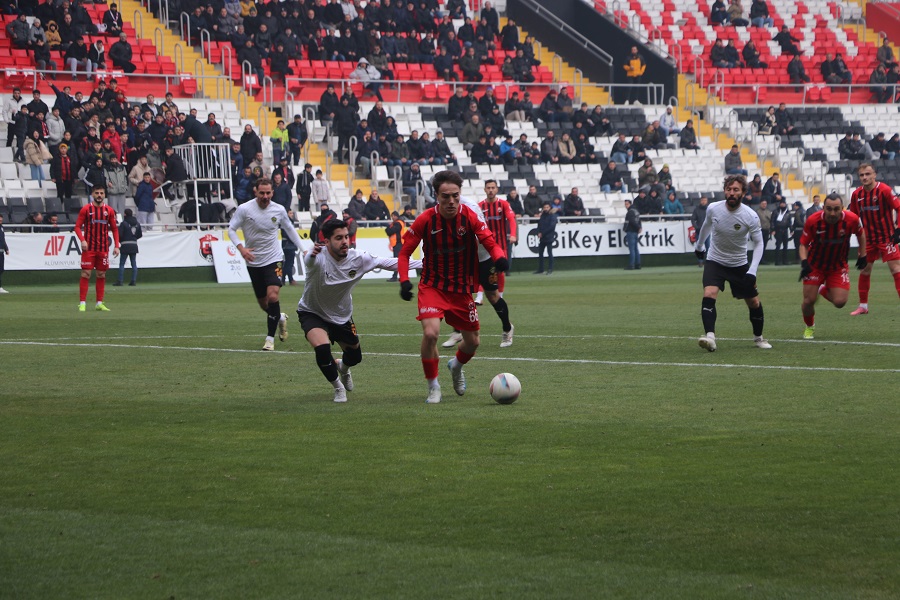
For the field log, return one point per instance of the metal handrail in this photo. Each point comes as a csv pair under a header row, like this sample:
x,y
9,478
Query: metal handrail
x,y
397,173
556,67
171,80
329,155
246,69
310,122
227,68
578,84
242,95
374,161
139,22
268,92
158,41
205,41
262,118
352,153
184,24
178,52
201,76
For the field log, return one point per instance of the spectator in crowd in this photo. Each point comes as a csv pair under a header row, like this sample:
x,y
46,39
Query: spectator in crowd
x,y
279,138
471,132
718,15
751,54
638,152
573,205
369,76
881,92
550,148
772,191
376,209
567,151
621,152
759,14
345,121
64,171
815,207
652,138
533,202
42,59
470,65
647,174
672,205
611,180
754,189
736,14
785,121
765,223
768,124
36,154
76,57
315,230
281,191
734,164
546,236
442,149
509,153
356,207
782,227
120,54
352,226
797,72
550,111
584,150
667,123
17,31
885,54
633,229
320,189
787,41
143,200
717,55
688,137
665,184
515,202
798,220
634,66
129,233
411,178
851,148
116,184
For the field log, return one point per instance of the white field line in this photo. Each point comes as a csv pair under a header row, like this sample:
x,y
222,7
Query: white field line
x,y
582,361
483,335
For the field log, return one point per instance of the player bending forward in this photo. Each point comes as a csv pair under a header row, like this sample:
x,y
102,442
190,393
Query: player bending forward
x,y
450,233
874,203
260,221
824,247
730,224
326,308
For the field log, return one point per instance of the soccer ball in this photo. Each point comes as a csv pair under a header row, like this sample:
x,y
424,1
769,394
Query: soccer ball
x,y
505,388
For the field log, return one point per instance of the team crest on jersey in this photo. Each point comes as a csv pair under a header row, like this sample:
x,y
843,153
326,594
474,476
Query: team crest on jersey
x,y
274,219
352,273
737,226
461,231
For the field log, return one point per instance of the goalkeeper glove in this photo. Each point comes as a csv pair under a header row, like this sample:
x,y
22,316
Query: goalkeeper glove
x,y
805,270
406,290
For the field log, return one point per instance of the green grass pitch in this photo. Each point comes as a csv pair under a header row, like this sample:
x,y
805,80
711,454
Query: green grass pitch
x,y
155,452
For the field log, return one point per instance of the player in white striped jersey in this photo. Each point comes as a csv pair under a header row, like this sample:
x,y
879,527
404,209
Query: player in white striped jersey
x,y
260,222
730,225
326,308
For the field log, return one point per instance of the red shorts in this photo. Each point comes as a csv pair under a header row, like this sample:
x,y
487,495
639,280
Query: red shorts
x,y
834,279
888,251
91,259
458,309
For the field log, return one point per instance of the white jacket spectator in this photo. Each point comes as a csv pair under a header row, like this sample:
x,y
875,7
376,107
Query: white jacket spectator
x,y
56,127
364,72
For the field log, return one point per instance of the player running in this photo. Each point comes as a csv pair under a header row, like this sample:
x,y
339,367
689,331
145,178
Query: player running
x,y
450,233
94,224
874,202
326,308
824,247
496,213
261,249
731,224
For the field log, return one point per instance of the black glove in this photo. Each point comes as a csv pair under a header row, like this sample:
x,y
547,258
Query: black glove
x,y
750,280
861,262
406,290
805,270
501,264
896,237
701,254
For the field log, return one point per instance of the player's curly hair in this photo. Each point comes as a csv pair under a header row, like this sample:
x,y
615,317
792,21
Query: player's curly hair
x,y
739,179
442,177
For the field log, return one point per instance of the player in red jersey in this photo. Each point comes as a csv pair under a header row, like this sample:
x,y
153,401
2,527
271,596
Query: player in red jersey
x,y
823,249
874,202
450,233
496,214
94,224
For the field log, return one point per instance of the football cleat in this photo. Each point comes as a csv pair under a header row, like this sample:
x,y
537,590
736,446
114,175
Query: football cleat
x,y
2,291
81,308
269,345
101,307
282,328
346,378
340,394
708,342
434,395
479,298
459,378
860,311
454,339
809,333
507,337
762,343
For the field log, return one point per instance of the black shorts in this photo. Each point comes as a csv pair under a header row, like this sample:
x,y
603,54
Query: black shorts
x,y
263,277
717,274
488,276
345,333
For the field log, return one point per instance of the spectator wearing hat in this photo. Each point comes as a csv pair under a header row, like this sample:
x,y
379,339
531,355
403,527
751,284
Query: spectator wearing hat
x,y
368,76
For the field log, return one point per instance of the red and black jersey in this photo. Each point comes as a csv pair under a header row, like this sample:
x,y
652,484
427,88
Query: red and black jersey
x,y
94,224
501,220
875,209
449,248
829,244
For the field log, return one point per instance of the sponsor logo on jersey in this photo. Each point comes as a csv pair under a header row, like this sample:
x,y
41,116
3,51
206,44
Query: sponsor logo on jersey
x,y
352,273
737,226
461,231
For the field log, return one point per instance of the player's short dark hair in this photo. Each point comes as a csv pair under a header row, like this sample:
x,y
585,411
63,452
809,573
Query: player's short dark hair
x,y
99,186
330,226
487,181
835,196
262,181
864,165
442,177
739,179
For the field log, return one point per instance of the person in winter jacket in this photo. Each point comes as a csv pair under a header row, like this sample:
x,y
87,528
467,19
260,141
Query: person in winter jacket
x,y
129,233
368,76
143,199
116,184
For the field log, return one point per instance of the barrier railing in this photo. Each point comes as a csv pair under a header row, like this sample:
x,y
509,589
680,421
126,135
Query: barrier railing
x,y
171,81
138,22
839,93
